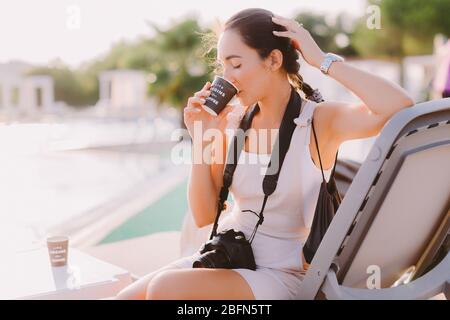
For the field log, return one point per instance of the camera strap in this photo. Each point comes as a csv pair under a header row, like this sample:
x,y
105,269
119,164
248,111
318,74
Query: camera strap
x,y
281,145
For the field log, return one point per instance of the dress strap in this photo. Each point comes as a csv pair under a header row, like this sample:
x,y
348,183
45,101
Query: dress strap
x,y
305,119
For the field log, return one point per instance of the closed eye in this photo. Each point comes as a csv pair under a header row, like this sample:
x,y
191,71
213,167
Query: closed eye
x,y
219,68
217,62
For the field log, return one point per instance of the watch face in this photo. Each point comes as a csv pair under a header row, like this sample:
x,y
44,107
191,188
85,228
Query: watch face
x,y
325,65
329,59
335,57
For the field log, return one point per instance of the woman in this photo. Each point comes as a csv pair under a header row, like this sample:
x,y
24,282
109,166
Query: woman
x,y
259,52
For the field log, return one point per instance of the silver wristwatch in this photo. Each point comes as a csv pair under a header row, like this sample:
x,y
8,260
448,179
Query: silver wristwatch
x,y
328,60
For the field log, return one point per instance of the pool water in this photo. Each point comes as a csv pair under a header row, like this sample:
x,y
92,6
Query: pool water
x,y
166,214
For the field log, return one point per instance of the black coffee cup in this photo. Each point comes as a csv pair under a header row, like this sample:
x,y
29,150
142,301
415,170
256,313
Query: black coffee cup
x,y
222,91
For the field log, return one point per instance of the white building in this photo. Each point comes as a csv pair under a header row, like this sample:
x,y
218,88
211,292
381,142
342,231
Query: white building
x,y
124,92
24,95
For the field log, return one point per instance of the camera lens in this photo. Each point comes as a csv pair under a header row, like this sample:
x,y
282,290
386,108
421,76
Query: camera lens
x,y
212,259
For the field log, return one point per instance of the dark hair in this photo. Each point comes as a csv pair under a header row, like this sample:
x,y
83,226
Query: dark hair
x,y
256,29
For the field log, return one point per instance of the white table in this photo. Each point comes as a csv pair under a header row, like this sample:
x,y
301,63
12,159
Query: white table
x,y
29,275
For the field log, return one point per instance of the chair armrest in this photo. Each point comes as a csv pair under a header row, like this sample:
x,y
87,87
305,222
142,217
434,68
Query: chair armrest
x,y
431,284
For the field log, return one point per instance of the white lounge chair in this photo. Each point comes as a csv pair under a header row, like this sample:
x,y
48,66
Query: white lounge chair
x,y
392,228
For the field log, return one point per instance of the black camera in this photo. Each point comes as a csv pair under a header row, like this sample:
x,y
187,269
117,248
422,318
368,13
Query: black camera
x,y
228,249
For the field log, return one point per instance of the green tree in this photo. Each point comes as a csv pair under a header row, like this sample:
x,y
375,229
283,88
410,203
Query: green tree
x,y
179,67
76,88
408,27
331,34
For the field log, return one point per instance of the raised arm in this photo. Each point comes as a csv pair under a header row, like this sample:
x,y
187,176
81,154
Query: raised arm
x,y
380,97
206,175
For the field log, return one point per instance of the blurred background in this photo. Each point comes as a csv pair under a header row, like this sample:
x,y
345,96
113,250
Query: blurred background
x,y
91,93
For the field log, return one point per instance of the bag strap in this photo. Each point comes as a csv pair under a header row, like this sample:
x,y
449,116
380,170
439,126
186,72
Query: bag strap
x,y
234,153
282,144
318,152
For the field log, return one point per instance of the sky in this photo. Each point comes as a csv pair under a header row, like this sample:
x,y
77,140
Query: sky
x,y
79,30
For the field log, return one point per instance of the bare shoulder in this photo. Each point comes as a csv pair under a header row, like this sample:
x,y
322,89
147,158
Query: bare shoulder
x,y
346,121
324,113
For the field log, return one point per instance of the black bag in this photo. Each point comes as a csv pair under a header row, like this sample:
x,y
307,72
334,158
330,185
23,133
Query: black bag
x,y
327,204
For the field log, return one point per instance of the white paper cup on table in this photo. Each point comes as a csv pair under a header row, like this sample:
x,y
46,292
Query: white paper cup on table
x,y
58,249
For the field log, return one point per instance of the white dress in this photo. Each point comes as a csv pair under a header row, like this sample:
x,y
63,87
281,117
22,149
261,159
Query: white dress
x,y
288,214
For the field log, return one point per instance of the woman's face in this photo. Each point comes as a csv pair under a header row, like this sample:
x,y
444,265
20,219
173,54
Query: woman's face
x,y
242,66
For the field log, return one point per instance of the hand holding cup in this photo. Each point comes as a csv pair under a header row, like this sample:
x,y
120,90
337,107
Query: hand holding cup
x,y
196,111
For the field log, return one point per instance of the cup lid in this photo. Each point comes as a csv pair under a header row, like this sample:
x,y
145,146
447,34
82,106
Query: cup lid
x,y
237,90
57,238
